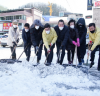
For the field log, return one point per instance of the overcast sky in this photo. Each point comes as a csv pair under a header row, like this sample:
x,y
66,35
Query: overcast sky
x,y
76,6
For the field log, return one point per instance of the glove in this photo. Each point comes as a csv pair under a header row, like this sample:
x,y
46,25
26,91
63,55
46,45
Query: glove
x,y
78,42
74,43
17,40
37,48
14,43
41,42
48,51
90,42
51,44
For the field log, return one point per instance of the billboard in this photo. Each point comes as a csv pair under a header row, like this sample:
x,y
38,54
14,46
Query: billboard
x,y
97,4
6,26
89,4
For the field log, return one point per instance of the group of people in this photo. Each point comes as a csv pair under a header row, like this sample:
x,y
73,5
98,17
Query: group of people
x,y
62,36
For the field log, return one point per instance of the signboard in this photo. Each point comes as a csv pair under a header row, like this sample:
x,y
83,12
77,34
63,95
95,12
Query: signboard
x,y
89,4
6,26
97,4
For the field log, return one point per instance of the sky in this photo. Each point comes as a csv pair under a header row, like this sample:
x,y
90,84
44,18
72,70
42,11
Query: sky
x,y
75,6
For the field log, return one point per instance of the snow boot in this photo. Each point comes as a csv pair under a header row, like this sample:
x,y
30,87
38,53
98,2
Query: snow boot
x,y
98,69
92,63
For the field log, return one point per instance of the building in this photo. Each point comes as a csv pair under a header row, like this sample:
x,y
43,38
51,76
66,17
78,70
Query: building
x,y
96,13
26,15
70,15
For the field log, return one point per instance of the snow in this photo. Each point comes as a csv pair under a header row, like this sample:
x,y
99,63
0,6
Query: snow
x,y
23,79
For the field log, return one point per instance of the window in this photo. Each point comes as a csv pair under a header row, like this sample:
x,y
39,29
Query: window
x,y
9,17
2,18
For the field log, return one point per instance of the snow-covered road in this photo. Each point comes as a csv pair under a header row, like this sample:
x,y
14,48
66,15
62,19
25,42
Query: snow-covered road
x,y
23,79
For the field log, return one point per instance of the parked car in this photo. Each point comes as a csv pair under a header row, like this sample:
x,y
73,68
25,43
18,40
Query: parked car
x,y
4,38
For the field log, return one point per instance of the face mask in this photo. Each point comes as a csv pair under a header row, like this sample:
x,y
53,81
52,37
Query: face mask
x,y
48,32
72,26
37,27
26,30
61,28
80,26
92,31
15,26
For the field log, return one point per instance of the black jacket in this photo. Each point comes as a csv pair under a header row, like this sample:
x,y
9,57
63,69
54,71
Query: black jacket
x,y
62,35
26,37
82,36
73,35
36,36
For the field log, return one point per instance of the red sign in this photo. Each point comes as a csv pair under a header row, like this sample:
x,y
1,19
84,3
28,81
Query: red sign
x,y
97,3
6,26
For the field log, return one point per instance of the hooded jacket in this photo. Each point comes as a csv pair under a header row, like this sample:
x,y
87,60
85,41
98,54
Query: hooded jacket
x,y
95,38
82,36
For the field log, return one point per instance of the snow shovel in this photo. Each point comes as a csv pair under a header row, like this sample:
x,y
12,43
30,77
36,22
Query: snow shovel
x,y
88,53
59,57
47,57
22,54
9,61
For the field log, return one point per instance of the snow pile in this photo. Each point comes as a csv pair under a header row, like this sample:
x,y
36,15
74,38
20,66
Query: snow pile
x,y
23,79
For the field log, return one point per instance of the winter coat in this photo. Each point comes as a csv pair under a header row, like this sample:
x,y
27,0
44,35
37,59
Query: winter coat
x,y
36,36
26,37
73,35
95,38
82,36
12,36
62,35
49,38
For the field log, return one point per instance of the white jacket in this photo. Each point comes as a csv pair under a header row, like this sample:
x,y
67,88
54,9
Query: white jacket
x,y
12,36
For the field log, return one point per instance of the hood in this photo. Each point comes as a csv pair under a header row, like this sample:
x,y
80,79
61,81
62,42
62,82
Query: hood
x,y
82,21
36,22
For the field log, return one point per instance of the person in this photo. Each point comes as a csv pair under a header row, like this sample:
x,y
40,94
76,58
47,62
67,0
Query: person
x,y
94,36
27,40
13,38
36,38
49,38
63,34
82,31
72,41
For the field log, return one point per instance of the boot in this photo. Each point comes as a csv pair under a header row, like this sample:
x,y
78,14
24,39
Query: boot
x,y
98,69
80,64
92,63
14,57
48,64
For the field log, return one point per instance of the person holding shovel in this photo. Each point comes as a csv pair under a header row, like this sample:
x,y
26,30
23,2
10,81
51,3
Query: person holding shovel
x,y
13,38
94,36
27,40
73,41
63,34
49,38
36,38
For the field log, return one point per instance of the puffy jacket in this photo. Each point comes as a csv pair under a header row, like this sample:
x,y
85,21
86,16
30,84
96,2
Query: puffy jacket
x,y
95,37
49,38
36,36
62,35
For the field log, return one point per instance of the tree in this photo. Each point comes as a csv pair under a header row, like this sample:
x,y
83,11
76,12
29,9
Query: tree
x,y
44,8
